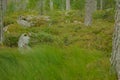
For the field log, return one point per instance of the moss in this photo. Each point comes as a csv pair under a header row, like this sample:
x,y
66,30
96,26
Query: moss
x,y
98,36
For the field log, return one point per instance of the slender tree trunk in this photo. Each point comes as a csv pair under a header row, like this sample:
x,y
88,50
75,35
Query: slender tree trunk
x,y
20,4
101,4
115,58
67,5
51,5
4,5
62,4
44,10
95,5
41,4
89,9
41,7
1,20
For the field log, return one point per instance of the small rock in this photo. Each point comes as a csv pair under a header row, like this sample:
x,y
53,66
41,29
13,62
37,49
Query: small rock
x,y
77,22
5,29
24,22
23,42
30,20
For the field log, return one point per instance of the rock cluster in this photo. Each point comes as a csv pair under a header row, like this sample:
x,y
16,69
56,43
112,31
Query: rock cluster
x,y
30,20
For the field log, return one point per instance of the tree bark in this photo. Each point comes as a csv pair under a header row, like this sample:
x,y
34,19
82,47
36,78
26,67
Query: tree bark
x,y
101,4
1,20
89,9
95,5
20,4
4,5
62,5
115,58
67,5
51,5
41,4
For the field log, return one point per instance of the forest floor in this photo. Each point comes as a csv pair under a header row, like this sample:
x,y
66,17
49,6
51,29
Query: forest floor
x,y
60,51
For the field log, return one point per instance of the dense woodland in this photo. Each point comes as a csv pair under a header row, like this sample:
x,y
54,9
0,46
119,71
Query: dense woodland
x,y
59,40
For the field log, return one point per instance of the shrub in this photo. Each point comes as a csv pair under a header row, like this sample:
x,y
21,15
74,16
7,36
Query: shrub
x,y
11,40
51,30
107,14
42,37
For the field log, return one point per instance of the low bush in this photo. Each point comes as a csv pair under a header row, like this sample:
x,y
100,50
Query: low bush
x,y
107,14
11,40
41,37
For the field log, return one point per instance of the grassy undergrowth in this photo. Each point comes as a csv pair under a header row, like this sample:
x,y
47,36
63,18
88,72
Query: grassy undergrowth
x,y
54,63
75,52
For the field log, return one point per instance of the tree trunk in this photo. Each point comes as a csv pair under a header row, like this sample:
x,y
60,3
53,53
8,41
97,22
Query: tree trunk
x,y
67,5
20,4
1,20
44,10
115,58
101,4
51,5
41,4
62,5
95,5
89,9
4,5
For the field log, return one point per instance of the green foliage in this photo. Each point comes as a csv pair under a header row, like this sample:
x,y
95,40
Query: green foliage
x,y
11,40
66,29
32,4
109,4
11,7
58,4
63,33
54,63
44,37
107,14
66,17
75,5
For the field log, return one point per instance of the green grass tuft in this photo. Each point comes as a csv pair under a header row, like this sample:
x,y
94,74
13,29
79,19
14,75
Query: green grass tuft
x,y
53,63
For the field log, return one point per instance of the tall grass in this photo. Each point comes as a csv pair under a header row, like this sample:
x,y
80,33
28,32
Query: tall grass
x,y
54,63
